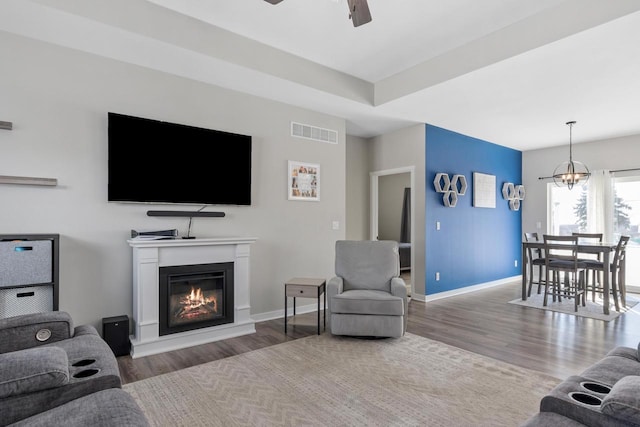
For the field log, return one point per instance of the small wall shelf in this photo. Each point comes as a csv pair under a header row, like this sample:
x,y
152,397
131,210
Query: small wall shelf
x,y
6,125
28,180
186,214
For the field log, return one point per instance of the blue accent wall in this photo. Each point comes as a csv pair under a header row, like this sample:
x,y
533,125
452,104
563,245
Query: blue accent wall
x,y
474,245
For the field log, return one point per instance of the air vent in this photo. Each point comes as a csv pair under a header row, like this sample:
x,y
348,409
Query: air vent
x,y
315,133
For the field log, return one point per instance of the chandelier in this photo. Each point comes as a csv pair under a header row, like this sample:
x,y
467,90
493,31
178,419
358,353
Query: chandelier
x,y
571,172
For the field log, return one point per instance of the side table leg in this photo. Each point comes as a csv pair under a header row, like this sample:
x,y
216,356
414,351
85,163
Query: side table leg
x,y
325,309
318,311
285,312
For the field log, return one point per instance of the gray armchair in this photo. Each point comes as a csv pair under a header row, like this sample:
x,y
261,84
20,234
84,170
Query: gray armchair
x,y
367,297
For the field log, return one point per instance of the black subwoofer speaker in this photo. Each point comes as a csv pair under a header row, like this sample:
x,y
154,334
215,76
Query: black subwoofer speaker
x,y
115,331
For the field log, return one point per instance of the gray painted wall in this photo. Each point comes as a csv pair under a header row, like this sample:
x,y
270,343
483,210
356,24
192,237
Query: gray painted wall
x,y
612,154
58,101
390,201
403,148
358,197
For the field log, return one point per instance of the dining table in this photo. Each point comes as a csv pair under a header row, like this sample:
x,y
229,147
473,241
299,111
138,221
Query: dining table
x,y
598,248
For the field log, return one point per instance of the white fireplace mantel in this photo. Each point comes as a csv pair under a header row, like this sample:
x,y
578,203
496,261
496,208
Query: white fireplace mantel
x,y
150,255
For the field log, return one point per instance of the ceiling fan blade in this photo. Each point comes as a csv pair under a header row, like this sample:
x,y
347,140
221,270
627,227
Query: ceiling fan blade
x,y
273,1
359,12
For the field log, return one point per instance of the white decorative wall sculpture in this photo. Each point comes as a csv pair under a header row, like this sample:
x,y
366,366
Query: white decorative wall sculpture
x,y
450,188
514,194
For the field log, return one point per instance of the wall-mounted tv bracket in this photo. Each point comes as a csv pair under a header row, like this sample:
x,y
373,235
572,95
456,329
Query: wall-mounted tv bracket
x,y
6,125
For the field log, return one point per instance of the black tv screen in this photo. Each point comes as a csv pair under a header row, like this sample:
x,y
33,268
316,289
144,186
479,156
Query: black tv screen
x,y
152,161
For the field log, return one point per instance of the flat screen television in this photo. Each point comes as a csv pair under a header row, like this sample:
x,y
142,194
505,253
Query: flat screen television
x,y
153,161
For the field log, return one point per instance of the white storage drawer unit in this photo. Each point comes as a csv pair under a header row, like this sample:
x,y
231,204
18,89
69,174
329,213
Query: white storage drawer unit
x,y
28,274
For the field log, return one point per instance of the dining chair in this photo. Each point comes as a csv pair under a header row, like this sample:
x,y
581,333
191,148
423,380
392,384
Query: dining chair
x,y
588,257
561,256
535,260
616,269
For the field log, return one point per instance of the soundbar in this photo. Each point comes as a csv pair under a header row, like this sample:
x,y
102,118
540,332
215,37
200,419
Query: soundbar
x,y
186,214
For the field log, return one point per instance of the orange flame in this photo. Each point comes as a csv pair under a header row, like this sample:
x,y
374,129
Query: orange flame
x,y
197,299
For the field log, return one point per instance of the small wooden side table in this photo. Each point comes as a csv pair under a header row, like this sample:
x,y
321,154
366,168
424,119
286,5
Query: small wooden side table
x,y
304,287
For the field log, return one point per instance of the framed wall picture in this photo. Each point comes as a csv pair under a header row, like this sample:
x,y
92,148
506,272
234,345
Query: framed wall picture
x,y
484,190
304,181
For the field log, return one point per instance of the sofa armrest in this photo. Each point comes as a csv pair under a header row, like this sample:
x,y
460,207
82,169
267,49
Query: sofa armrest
x,y
399,289
335,286
623,401
31,330
85,330
626,352
32,370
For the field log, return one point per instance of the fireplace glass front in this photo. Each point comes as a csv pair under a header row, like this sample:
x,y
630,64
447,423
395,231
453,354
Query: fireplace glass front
x,y
195,296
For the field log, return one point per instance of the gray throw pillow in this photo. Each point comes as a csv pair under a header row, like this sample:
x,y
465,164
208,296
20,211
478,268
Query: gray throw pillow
x,y
623,401
33,369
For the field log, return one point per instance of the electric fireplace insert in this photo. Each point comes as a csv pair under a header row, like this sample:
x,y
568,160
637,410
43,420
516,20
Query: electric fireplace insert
x,y
195,296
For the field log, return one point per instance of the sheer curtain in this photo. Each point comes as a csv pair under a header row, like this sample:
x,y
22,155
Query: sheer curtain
x,y
600,204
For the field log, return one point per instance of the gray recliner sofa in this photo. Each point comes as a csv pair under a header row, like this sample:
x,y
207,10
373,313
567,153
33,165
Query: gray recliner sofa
x,y
367,297
605,394
51,372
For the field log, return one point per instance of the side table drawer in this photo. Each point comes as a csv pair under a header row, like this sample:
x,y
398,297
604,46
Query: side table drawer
x,y
302,291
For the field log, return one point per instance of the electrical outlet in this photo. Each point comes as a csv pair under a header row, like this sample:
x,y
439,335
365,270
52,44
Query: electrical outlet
x,y
515,263
335,225
437,276
437,225
538,225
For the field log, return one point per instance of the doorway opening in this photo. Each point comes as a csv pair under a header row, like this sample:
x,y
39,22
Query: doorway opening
x,y
392,214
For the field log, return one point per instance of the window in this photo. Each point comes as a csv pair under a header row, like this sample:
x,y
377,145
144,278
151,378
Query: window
x,y
568,211
626,220
565,209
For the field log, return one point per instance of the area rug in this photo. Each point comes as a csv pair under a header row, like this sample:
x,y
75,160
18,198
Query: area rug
x,y
340,381
593,310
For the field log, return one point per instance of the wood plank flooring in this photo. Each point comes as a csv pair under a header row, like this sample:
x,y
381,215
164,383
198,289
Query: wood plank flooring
x,y
482,322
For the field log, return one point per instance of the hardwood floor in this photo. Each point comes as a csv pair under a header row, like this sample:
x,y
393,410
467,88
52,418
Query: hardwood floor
x,y
482,322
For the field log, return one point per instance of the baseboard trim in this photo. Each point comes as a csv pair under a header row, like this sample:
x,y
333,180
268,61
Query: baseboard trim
x,y
279,314
633,289
466,290
302,309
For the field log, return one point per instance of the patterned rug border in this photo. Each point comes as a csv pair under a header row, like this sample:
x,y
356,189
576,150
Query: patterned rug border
x,y
259,378
593,310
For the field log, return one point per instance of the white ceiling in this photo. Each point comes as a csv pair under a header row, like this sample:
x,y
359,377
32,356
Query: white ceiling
x,y
510,72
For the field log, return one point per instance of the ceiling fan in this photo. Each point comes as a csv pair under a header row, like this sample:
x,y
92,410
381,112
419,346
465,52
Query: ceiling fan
x,y
358,11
